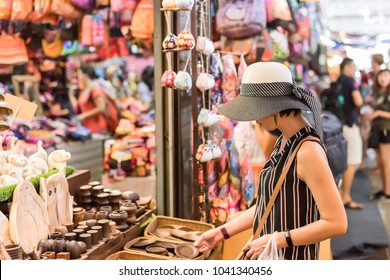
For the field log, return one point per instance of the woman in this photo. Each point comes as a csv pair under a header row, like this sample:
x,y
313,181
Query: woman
x,y
91,103
380,117
145,87
308,208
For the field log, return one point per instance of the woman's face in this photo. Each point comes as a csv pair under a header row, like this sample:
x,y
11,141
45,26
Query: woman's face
x,y
384,79
82,79
268,123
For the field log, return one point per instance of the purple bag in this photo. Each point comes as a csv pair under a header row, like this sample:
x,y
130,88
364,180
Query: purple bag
x,y
84,4
241,18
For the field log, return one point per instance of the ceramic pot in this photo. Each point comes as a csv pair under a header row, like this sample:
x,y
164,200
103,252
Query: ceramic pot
x,y
83,227
130,208
59,245
87,239
73,247
78,231
86,190
94,236
99,230
115,206
51,243
130,195
105,224
61,229
115,196
43,246
90,214
56,234
70,236
103,198
14,251
78,214
94,183
83,246
90,223
86,199
69,226
106,208
107,190
118,216
100,215
97,190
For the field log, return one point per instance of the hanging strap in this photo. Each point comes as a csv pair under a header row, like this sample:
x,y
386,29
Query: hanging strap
x,y
278,185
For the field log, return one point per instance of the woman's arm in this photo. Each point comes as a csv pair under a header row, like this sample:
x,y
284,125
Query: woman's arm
x,y
212,237
313,168
100,107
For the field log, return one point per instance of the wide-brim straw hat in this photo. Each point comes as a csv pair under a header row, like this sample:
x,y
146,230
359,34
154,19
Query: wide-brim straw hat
x,y
268,88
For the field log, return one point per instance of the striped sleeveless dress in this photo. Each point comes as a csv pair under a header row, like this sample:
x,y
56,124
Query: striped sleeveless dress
x,y
294,206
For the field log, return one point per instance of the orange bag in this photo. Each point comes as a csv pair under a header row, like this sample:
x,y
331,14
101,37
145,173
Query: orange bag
x,y
13,49
5,9
86,30
21,9
66,9
142,24
41,9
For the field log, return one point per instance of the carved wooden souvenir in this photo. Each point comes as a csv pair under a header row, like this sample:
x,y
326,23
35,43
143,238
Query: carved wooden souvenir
x,y
28,217
40,153
4,229
55,193
58,158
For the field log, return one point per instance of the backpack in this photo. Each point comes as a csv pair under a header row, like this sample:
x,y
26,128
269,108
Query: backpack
x,y
332,100
241,18
335,144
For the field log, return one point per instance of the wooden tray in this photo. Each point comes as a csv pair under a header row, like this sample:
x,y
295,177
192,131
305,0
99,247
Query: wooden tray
x,y
165,221
134,255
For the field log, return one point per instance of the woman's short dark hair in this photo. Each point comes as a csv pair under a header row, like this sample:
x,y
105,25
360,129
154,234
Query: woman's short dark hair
x,y
147,76
89,71
286,113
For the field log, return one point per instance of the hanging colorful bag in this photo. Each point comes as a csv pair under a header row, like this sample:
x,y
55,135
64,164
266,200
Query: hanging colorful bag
x,y
13,49
98,30
5,9
65,9
84,4
86,30
21,9
142,25
41,9
277,9
241,18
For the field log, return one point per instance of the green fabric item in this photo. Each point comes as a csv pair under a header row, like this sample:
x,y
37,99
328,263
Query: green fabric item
x,y
6,192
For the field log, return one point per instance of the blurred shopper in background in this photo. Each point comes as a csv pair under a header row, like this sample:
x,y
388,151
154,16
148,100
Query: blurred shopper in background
x,y
90,105
380,128
352,102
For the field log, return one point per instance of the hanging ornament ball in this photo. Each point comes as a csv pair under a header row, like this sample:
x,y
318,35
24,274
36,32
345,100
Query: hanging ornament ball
x,y
185,40
168,79
170,42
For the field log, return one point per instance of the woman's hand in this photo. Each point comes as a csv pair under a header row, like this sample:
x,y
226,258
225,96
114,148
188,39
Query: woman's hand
x,y
256,247
374,115
209,239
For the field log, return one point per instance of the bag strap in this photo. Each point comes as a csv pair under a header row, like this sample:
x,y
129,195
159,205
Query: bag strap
x,y
278,185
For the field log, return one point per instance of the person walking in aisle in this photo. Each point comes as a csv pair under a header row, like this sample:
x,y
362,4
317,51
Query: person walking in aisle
x,y
90,105
352,102
380,134
308,208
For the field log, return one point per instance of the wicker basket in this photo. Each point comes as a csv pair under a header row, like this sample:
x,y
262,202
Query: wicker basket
x,y
161,221
134,255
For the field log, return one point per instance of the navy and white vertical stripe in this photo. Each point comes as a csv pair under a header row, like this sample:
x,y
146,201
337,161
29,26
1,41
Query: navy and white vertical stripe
x,y
294,206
